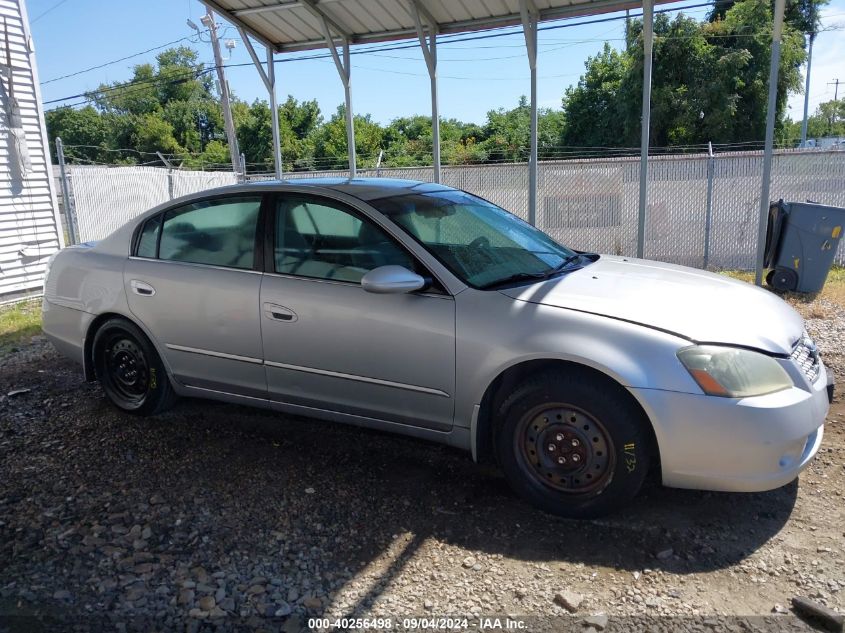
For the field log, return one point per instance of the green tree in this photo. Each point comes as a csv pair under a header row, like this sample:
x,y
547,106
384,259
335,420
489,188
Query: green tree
x,y
709,82
594,112
330,149
827,120
85,128
151,133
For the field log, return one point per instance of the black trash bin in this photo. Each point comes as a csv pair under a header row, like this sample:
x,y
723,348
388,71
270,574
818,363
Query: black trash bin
x,y
801,242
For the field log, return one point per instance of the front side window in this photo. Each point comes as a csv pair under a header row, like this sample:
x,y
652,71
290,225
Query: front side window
x,y
479,242
316,238
215,232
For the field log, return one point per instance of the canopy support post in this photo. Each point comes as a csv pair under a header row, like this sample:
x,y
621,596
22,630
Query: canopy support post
x,y
530,17
648,43
274,115
429,49
269,79
774,66
344,69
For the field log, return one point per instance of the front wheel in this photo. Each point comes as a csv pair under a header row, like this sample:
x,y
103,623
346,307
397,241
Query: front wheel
x,y
129,369
573,445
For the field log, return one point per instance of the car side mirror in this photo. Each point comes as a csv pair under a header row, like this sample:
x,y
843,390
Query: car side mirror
x,y
391,280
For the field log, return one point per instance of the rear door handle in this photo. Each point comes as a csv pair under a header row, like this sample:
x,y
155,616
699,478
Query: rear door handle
x,y
279,313
142,288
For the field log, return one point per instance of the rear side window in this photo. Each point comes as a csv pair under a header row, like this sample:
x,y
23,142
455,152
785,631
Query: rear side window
x,y
215,232
148,241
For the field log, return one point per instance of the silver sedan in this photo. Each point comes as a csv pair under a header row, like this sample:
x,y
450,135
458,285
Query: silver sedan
x,y
424,310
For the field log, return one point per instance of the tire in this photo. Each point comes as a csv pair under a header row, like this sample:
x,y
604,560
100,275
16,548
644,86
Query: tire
x,y
783,279
573,444
130,370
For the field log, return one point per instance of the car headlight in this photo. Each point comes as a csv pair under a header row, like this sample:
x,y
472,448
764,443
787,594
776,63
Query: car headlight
x,y
732,372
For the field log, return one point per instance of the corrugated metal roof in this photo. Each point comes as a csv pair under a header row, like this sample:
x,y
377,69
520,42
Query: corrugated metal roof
x,y
292,25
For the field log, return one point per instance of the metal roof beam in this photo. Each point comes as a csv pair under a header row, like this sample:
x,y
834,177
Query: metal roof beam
x,y
463,26
269,79
530,17
281,5
344,69
645,125
429,49
324,17
765,190
251,50
419,9
234,19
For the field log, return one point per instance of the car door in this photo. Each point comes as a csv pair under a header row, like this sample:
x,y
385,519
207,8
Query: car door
x,y
193,281
329,344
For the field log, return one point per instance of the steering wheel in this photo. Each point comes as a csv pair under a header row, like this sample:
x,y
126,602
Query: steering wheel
x,y
479,242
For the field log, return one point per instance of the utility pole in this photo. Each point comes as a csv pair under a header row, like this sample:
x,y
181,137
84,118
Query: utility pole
x,y
832,120
231,138
814,22
807,89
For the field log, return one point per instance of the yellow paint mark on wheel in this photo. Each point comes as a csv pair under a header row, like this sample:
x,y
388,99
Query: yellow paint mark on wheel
x,y
837,231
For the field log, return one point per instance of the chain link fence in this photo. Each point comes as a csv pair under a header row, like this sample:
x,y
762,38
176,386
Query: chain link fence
x,y
105,198
587,204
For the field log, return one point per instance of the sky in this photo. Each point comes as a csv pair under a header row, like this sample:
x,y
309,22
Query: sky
x,y
474,77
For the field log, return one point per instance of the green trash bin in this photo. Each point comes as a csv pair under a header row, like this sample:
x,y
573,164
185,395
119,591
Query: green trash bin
x,y
801,242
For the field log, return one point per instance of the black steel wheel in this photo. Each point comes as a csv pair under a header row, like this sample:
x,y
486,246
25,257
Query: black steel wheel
x,y
783,279
129,369
565,448
572,443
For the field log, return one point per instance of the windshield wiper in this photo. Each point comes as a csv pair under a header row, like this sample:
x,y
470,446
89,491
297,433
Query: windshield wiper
x,y
513,278
561,266
523,276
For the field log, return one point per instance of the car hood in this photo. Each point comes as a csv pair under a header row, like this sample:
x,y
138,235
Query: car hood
x,y
700,306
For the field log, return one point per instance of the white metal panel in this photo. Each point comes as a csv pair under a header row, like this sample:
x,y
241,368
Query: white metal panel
x,y
29,231
291,25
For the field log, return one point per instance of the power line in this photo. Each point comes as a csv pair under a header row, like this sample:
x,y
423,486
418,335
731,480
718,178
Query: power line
x,y
140,83
117,61
446,39
41,15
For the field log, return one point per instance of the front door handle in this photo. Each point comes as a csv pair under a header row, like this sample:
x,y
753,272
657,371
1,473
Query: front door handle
x,y
142,288
279,313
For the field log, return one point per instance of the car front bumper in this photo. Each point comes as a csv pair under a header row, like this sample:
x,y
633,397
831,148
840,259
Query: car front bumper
x,y
737,445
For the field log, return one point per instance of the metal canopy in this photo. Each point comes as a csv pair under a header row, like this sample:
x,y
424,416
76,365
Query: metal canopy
x,y
296,25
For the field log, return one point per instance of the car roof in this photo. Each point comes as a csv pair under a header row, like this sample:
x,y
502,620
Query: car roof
x,y
365,189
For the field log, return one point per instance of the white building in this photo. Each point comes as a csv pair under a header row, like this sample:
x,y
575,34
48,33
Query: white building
x,y
29,219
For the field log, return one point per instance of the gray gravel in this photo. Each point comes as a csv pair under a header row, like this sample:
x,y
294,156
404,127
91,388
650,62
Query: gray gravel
x,y
223,517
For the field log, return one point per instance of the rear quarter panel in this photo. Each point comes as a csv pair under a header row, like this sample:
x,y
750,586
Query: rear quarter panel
x,y
83,284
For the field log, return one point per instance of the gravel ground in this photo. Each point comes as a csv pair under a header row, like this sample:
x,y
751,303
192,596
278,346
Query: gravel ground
x,y
217,517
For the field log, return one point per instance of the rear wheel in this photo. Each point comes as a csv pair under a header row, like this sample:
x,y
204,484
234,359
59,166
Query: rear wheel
x,y
129,369
572,445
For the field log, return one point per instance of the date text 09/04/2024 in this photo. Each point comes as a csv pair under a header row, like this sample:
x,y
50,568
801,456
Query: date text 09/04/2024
x,y
412,624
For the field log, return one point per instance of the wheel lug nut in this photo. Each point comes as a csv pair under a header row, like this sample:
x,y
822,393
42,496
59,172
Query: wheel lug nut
x,y
561,460
559,437
575,442
552,448
576,457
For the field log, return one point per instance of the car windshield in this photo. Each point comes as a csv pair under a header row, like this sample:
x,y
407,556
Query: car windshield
x,y
484,245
